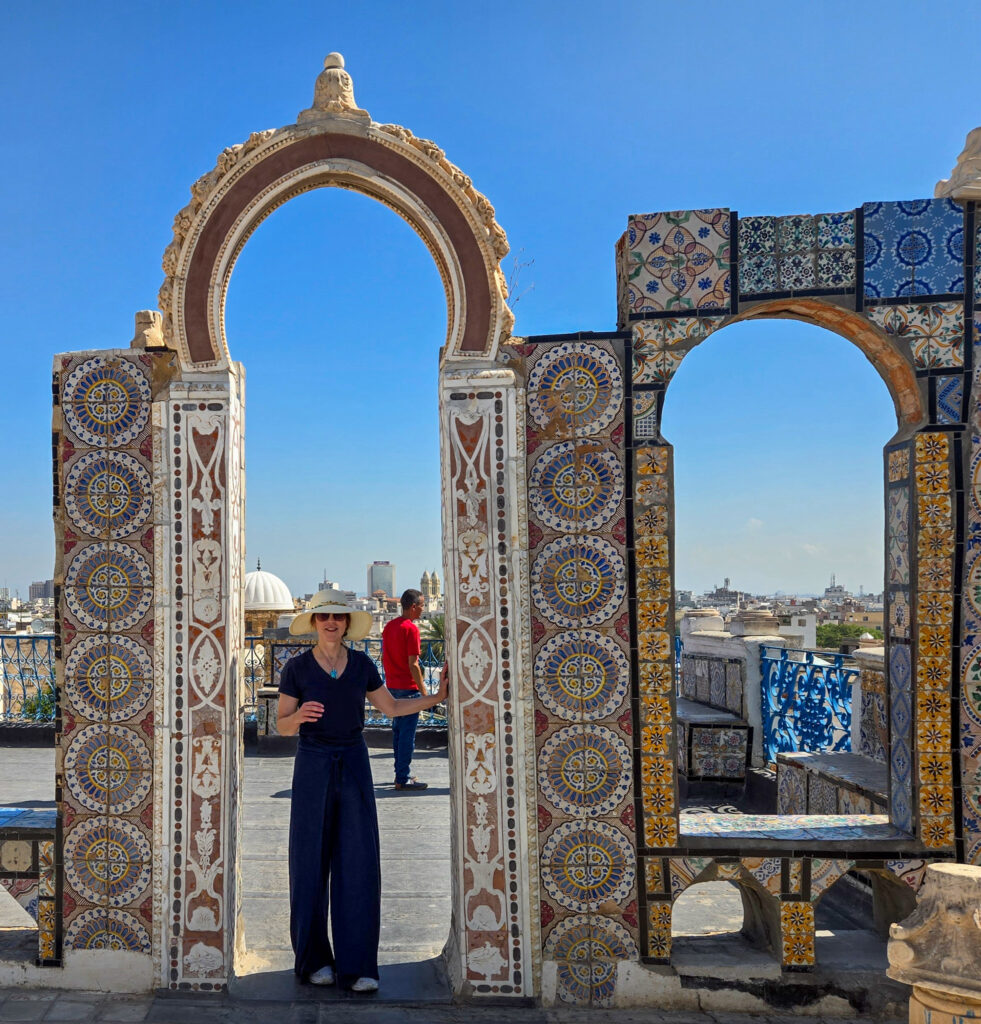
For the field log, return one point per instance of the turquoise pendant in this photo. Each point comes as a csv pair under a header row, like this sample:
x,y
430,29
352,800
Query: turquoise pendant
x,y
333,673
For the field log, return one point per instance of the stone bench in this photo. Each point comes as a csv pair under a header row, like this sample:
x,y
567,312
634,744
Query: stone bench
x,y
27,871
831,783
713,744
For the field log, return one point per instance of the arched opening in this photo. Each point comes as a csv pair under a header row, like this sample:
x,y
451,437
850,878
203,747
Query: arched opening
x,y
788,548
336,311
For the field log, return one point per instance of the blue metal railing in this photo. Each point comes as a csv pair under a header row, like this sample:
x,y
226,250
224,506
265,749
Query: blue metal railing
x,y
27,678
258,671
806,700
679,650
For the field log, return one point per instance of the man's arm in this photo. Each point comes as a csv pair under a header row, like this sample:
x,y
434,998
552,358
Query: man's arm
x,y
415,670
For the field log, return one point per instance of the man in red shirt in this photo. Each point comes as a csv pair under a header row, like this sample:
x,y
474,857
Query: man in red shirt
x,y
401,647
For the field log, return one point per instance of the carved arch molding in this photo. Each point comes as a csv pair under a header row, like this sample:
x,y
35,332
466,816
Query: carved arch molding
x,y
386,162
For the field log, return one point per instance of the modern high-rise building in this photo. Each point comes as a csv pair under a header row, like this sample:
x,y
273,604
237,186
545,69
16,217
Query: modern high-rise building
x,y
381,576
41,589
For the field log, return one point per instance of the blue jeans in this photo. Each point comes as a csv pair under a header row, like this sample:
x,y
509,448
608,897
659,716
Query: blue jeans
x,y
404,736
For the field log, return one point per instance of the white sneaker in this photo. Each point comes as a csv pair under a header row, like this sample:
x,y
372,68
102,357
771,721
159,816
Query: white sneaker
x,y
365,985
325,976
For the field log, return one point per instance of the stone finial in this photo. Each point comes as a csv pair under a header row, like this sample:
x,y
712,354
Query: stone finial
x,y
964,182
149,330
754,622
333,93
938,947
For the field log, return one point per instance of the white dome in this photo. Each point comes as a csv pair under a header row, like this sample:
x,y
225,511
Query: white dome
x,y
265,592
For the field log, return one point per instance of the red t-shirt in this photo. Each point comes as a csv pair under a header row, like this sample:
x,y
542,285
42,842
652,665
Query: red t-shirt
x,y
400,640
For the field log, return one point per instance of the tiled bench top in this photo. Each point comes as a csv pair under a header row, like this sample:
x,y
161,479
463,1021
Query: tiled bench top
x,y
800,833
702,714
16,819
857,770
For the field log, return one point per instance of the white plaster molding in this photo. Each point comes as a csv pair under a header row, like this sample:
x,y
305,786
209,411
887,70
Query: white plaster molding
x,y
964,182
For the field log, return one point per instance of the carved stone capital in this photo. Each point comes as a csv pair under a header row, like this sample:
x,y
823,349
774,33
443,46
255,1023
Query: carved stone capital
x,y
938,947
964,182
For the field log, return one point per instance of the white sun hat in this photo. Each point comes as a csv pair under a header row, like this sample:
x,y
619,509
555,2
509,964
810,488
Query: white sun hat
x,y
332,601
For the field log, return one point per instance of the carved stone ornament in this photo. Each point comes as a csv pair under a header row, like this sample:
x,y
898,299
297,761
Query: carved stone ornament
x,y
938,947
964,182
333,93
149,330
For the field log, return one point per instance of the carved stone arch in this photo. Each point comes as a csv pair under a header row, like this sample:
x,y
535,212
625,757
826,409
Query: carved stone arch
x,y
385,162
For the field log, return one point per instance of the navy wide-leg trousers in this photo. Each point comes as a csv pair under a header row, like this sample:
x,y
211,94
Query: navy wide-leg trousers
x,y
335,864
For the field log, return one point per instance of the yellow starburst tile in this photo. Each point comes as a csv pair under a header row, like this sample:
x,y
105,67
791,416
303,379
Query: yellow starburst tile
x,y
654,874
932,673
656,771
935,542
657,800
651,520
933,737
932,447
654,645
937,832
933,706
661,831
653,584
932,478
934,509
652,615
655,678
652,552
936,801
935,641
651,460
935,769
656,739
656,712
935,607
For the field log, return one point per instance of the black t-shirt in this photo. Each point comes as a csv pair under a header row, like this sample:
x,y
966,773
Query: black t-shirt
x,y
343,698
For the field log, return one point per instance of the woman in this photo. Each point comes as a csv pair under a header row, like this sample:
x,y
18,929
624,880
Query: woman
x,y
333,855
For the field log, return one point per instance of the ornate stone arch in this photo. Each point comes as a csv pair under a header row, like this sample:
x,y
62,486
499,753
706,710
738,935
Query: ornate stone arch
x,y
333,143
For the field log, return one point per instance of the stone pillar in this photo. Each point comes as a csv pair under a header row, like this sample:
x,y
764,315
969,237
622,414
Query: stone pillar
x,y
937,949
200,600
490,951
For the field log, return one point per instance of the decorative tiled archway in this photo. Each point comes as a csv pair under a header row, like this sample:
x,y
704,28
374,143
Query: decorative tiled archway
x,y
559,873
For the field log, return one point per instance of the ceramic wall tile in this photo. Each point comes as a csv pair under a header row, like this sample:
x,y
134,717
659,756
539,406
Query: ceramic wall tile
x,y
585,772
950,398
582,675
934,331
658,346
913,248
678,261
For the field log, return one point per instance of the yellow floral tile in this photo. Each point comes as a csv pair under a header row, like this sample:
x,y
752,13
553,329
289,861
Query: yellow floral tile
x,y
932,447
651,490
796,874
654,645
935,641
651,460
657,800
653,585
934,509
936,800
652,552
933,736
935,769
935,542
661,831
934,573
797,926
656,678
932,673
935,607
873,681
898,465
932,705
651,520
932,478
652,615
656,771
938,832
656,739
656,711
654,875
659,929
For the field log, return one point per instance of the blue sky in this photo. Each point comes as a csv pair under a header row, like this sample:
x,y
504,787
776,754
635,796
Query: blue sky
x,y
569,116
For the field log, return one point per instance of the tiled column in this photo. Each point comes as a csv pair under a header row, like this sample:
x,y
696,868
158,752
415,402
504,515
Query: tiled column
x,y
204,627
106,517
490,950
580,631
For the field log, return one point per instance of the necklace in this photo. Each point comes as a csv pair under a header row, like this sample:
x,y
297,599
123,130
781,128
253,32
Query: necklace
x,y
330,661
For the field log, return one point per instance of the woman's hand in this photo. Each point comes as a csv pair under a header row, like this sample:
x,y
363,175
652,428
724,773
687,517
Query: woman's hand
x,y
310,711
444,683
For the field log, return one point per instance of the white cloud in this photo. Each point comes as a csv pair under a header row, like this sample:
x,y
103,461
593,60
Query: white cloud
x,y
754,524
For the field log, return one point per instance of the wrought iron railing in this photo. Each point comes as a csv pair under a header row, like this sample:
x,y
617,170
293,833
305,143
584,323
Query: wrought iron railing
x,y
806,700
261,668
27,678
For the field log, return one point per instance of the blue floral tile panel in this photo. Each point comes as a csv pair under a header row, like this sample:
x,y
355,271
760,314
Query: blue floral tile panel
x,y
913,248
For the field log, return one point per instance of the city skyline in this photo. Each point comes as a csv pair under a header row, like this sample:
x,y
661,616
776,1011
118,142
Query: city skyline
x,y
336,308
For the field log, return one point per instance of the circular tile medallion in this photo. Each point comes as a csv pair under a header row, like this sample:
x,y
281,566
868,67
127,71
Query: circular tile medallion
x,y
106,402
585,770
587,863
107,929
108,494
578,384
108,766
576,488
581,675
587,950
107,859
578,581
109,583
106,677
